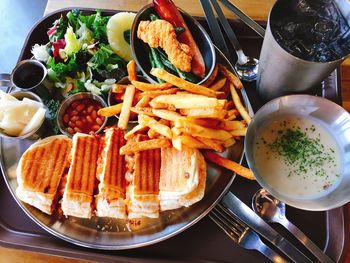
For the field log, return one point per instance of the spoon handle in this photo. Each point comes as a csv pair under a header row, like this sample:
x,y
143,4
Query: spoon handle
x,y
315,250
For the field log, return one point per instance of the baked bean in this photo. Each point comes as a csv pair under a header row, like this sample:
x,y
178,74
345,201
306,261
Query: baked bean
x,y
99,121
89,119
80,107
66,118
95,127
76,129
79,124
84,112
74,104
90,109
71,124
74,118
70,130
74,112
94,114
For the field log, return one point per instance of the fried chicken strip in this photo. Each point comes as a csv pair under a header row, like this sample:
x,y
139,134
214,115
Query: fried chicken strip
x,y
161,33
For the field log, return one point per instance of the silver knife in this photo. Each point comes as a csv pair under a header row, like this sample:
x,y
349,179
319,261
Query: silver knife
x,y
245,214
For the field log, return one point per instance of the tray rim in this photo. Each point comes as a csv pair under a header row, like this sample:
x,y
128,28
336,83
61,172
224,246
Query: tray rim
x,y
58,252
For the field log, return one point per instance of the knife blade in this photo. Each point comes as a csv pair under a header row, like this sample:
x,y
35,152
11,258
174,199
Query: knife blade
x,y
245,214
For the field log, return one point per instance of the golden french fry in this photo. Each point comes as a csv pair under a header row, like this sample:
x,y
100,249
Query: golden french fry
x,y
155,93
183,84
183,92
166,114
132,147
228,164
145,110
125,112
200,131
137,128
119,88
206,122
192,142
229,142
187,101
240,132
131,68
230,76
229,105
176,131
149,87
212,77
155,125
143,102
176,141
239,105
152,134
212,144
110,111
164,122
231,115
218,84
217,113
231,125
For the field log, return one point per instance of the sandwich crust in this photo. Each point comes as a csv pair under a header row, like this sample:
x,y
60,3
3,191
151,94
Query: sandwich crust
x,y
182,178
40,170
79,190
111,174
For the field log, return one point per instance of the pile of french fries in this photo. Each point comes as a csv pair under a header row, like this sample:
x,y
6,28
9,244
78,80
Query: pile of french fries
x,y
179,113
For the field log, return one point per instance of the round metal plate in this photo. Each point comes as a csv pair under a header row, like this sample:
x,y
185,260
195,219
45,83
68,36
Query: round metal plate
x,y
114,234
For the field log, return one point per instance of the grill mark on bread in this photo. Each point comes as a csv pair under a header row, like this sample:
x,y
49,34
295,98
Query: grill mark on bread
x,y
54,178
93,159
87,160
157,170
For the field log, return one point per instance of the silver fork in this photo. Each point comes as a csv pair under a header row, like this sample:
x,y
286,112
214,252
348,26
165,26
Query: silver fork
x,y
241,234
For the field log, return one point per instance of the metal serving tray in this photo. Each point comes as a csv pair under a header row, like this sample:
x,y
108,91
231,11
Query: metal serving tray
x,y
203,241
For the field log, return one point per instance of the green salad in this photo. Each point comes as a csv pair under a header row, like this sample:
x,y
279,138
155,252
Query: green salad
x,y
78,55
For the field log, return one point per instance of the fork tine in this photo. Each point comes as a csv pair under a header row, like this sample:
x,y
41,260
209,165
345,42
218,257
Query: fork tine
x,y
222,224
230,217
229,221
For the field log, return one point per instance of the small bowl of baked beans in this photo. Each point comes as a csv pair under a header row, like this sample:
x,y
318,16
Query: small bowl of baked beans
x,y
78,113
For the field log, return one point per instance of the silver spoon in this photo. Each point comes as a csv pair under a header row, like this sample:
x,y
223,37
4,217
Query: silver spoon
x,y
273,210
246,67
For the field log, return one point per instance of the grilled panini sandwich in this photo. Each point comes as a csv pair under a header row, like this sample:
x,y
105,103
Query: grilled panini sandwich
x,y
111,174
78,194
143,190
40,170
182,178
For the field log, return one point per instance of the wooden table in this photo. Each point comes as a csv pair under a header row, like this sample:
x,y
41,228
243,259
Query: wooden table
x,y
256,9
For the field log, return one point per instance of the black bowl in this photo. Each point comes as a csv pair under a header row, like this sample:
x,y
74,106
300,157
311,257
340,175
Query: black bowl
x,y
201,37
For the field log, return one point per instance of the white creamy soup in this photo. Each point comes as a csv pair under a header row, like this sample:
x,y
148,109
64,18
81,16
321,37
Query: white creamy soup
x,y
298,157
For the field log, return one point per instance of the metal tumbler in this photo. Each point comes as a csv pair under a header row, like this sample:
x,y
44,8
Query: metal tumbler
x,y
281,73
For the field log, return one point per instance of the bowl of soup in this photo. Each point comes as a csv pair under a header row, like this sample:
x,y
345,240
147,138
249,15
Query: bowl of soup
x,y
298,148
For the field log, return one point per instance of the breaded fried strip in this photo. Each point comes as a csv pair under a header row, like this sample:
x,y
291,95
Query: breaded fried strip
x,y
160,33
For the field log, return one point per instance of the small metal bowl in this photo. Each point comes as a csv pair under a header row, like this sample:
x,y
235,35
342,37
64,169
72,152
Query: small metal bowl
x,y
334,118
199,34
68,101
20,95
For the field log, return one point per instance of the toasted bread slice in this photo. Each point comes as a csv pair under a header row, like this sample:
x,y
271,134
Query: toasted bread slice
x,y
182,178
79,190
40,170
111,174
142,193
